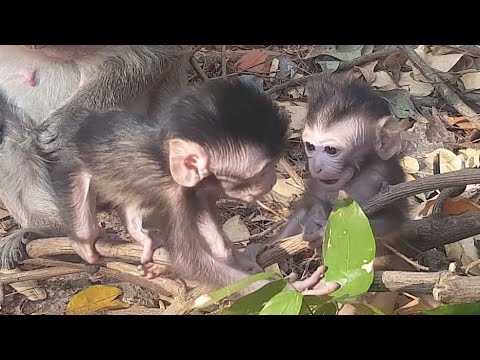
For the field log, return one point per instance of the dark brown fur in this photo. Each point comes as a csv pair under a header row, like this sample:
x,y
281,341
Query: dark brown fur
x,y
42,86
128,163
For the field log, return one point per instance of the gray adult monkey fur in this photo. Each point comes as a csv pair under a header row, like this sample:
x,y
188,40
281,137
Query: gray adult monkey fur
x,y
41,86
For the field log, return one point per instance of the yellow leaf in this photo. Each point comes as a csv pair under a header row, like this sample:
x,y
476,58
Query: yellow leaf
x,y
410,165
235,229
286,187
95,298
471,81
448,160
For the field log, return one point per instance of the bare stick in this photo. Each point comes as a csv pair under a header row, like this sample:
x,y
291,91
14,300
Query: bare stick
x,y
284,164
448,94
39,274
198,69
224,61
365,59
124,272
392,193
415,264
118,250
445,286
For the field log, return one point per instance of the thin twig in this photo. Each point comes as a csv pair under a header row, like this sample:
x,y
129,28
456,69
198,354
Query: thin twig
x,y
415,264
448,94
470,266
198,69
365,59
284,164
262,205
224,61
266,231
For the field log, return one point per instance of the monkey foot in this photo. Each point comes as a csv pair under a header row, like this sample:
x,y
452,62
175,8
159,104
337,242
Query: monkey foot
x,y
151,270
315,284
86,251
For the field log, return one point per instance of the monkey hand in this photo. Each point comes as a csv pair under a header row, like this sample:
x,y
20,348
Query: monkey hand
x,y
247,260
12,247
315,284
314,231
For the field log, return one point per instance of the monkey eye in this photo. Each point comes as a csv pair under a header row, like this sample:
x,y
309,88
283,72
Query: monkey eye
x,y
330,150
310,147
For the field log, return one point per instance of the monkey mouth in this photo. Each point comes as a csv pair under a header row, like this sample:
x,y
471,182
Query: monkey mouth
x,y
329,182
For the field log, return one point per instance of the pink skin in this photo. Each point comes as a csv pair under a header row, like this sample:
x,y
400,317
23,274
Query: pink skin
x,y
315,284
29,75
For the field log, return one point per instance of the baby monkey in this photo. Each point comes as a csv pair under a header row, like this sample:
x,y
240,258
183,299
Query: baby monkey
x,y
222,138
352,144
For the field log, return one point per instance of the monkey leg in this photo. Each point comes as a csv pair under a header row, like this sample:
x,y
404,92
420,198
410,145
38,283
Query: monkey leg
x,y
81,213
294,225
132,219
27,192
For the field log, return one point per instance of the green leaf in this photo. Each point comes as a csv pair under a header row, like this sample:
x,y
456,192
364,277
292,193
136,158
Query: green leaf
x,y
253,303
455,309
212,298
284,303
349,249
318,305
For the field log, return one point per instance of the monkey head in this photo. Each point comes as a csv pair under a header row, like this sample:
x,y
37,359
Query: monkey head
x,y
347,124
229,131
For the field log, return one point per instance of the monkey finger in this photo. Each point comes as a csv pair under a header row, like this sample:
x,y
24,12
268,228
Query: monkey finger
x,y
312,280
152,270
322,288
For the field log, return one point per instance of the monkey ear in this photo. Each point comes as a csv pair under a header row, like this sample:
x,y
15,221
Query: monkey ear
x,y
388,142
188,162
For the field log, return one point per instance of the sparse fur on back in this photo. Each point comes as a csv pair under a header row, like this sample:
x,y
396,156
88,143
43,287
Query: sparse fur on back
x,y
124,160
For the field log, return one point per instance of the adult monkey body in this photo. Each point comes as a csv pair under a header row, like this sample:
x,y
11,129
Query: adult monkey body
x,y
351,141
220,138
50,83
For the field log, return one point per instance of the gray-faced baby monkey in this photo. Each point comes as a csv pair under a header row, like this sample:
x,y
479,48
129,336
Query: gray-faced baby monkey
x,y
352,144
222,138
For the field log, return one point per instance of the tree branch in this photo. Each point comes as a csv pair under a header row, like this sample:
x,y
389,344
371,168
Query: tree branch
x,y
447,93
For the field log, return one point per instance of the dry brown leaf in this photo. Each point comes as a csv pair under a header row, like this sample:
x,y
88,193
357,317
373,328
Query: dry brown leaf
x,y
367,71
455,206
471,81
448,160
416,88
471,157
383,81
410,165
298,113
296,92
274,67
443,63
4,214
30,288
95,298
235,229
254,61
461,121
465,252
287,187
409,177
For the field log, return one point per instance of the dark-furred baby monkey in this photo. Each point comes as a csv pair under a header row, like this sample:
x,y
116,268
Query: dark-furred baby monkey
x,y
42,87
220,138
352,144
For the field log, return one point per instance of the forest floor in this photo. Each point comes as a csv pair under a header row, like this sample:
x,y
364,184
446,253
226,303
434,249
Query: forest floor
x,y
433,126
